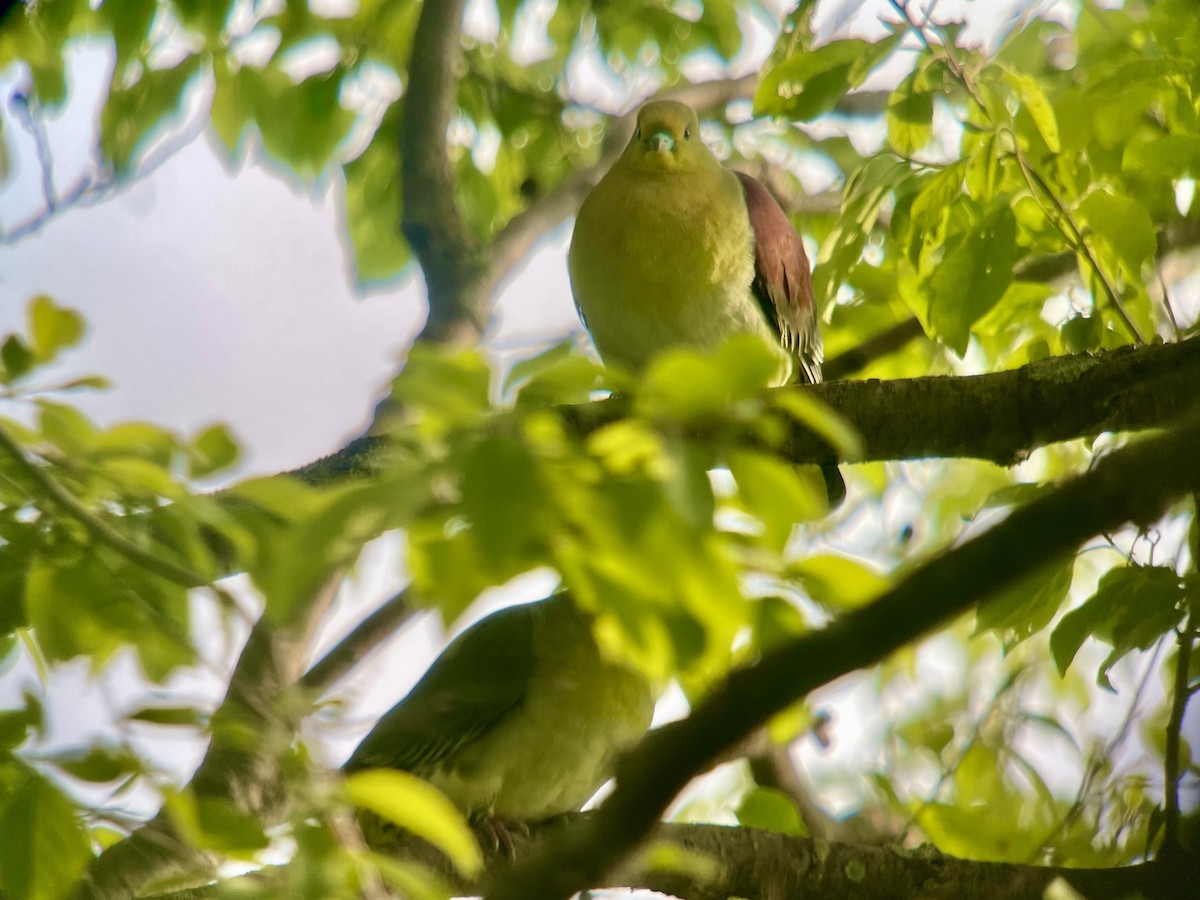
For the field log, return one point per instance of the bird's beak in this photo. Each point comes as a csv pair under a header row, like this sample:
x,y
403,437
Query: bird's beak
x,y
660,142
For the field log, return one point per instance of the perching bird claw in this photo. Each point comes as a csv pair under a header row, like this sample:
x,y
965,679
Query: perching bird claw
x,y
499,832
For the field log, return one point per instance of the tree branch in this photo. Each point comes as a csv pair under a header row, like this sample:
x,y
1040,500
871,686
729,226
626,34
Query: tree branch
x,y
1134,484
1171,845
883,344
999,416
449,254
250,732
763,865
362,639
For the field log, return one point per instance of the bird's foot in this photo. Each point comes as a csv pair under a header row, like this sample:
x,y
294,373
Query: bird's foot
x,y
498,832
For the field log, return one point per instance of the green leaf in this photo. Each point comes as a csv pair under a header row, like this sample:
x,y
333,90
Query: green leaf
x,y
96,764
837,582
909,117
773,493
66,427
807,84
232,105
1124,224
303,123
974,274
85,382
166,715
293,563
1038,107
664,856
216,824
213,449
206,16
132,114
417,806
443,388
504,499
1132,607
15,724
410,879
1028,606
81,604
17,358
373,206
129,21
52,327
983,832
1165,156
45,846
688,385
558,374
770,810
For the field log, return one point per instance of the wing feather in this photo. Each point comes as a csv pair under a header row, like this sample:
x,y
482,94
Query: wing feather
x,y
477,680
782,279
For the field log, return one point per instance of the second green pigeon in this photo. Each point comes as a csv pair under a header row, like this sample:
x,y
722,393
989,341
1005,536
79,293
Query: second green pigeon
x,y
520,719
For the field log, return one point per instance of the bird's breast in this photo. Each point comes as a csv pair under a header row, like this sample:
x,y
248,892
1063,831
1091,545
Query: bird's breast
x,y
663,260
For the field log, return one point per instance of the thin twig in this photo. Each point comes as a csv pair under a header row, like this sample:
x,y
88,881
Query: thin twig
x,y
100,530
33,123
1073,233
883,344
354,647
1097,761
1171,758
90,190
973,735
1076,237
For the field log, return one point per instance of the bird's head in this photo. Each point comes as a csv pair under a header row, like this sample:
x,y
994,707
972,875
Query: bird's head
x,y
666,139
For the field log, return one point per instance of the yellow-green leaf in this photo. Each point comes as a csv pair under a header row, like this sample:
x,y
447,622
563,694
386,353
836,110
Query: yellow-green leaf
x,y
419,807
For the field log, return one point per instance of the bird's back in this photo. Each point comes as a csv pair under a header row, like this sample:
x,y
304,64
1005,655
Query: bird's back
x,y
520,717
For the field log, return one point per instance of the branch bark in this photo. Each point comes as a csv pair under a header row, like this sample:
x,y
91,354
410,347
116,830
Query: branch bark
x,y
1000,416
450,256
763,865
1134,484
250,730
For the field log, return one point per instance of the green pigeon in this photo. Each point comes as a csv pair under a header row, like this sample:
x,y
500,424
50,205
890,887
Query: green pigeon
x,y
671,248
519,720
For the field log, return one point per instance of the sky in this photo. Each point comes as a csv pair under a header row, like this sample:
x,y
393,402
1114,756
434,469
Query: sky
x,y
225,295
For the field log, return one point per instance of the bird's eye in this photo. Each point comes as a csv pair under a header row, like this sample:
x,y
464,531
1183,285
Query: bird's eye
x,y
687,134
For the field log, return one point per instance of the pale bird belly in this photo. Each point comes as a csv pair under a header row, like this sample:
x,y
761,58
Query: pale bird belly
x,y
648,283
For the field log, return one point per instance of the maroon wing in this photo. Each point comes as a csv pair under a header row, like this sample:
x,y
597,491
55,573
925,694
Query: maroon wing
x,y
782,279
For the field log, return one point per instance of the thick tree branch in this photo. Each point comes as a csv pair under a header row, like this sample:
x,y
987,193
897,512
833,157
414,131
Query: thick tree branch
x,y
1000,416
251,731
1134,484
762,865
449,254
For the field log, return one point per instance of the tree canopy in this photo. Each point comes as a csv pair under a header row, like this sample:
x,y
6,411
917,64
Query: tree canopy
x,y
1005,235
